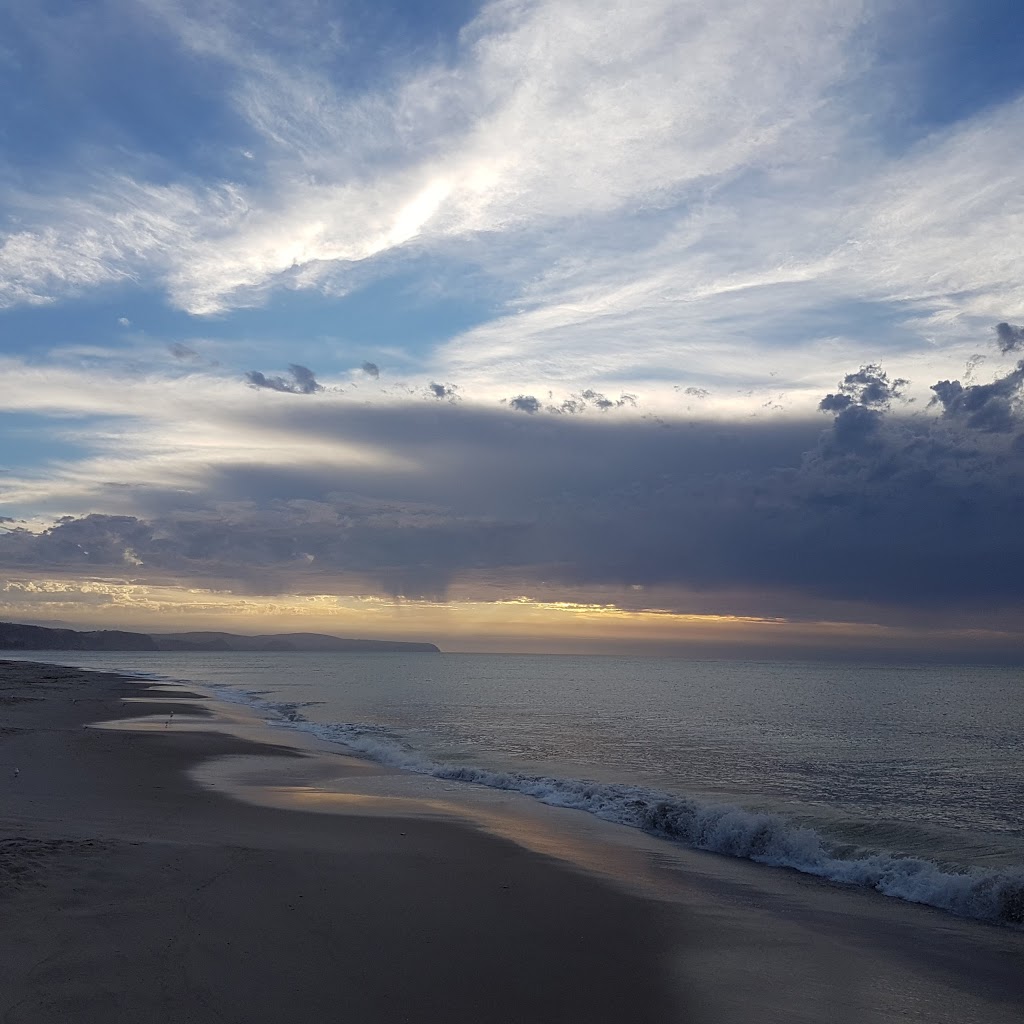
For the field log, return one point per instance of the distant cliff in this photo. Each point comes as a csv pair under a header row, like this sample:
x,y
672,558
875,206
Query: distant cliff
x,y
17,637
281,642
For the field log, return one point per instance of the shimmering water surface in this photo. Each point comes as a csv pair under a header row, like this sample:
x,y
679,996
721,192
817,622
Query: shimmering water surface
x,y
900,777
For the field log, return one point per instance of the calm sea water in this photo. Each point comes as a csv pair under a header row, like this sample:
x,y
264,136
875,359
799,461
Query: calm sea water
x,y
907,779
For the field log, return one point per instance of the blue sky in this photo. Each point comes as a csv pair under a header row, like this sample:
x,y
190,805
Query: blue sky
x,y
659,212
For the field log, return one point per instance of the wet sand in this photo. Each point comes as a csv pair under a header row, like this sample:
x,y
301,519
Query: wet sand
x,y
129,893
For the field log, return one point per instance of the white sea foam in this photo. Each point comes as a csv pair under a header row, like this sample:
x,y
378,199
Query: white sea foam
x,y
995,895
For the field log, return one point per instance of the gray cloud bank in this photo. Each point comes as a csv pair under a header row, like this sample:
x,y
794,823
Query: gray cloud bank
x,y
873,505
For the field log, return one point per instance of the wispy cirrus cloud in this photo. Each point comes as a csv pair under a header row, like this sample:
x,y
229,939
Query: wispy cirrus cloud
x,y
551,111
617,167
921,247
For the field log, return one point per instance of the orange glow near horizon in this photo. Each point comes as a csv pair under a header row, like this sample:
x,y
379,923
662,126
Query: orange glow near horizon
x,y
511,624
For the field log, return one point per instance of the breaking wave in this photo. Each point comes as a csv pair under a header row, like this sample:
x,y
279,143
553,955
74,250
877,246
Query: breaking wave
x,y
994,895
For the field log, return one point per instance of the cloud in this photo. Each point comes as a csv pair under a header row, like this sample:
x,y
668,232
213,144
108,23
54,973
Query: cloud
x,y
758,272
303,381
972,365
576,403
110,228
913,512
585,178
182,352
1010,337
525,403
443,392
993,407
869,387
590,399
861,399
646,211
442,152
89,540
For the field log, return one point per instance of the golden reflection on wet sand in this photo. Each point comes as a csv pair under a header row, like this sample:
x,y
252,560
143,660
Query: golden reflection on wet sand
x,y
325,780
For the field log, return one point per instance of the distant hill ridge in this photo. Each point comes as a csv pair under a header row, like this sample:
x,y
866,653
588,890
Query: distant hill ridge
x,y
16,636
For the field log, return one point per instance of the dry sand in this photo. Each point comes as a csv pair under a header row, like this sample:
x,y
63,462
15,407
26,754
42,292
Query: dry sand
x,y
128,893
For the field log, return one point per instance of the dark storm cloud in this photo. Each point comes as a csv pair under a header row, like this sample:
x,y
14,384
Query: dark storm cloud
x,y
869,504
1010,337
869,388
89,540
993,407
859,404
856,428
371,370
303,381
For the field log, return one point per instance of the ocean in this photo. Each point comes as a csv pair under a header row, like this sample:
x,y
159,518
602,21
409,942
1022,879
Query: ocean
x,y
904,779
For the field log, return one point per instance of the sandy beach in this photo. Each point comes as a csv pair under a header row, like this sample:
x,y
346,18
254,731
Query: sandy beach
x,y
129,891
130,894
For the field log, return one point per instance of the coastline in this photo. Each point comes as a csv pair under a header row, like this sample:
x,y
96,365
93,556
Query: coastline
x,y
130,891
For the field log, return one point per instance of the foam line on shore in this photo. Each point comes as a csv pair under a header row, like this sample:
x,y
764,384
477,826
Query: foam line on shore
x,y
994,895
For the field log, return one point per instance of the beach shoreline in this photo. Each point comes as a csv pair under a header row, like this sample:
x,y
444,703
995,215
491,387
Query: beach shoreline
x,y
130,893
144,876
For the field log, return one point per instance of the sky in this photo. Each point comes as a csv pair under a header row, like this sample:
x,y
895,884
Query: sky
x,y
660,326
